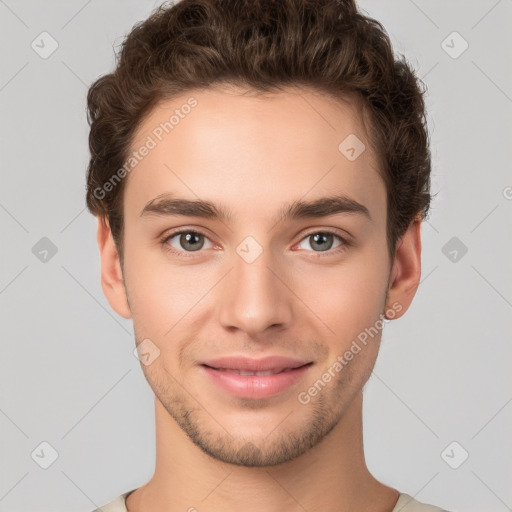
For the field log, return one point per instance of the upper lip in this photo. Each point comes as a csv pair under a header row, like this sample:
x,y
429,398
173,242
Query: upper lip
x,y
275,363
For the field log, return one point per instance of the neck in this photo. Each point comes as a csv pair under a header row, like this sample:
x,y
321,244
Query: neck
x,y
331,476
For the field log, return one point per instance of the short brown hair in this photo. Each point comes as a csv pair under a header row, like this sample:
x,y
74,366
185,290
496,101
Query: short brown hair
x,y
265,45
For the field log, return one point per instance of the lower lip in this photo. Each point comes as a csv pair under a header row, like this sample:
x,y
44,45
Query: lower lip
x,y
255,386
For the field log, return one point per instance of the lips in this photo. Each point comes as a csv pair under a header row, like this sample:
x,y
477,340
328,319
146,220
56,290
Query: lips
x,y
268,365
247,373
248,378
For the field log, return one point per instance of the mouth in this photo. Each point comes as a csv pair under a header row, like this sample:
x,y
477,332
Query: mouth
x,y
247,373
256,383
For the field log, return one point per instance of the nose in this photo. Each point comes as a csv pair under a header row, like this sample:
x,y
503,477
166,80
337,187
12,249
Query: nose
x,y
253,298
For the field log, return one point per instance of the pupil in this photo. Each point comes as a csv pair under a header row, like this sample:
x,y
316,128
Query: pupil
x,y
190,241
321,238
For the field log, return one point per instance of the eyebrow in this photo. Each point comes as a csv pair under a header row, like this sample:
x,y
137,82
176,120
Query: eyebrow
x,y
166,204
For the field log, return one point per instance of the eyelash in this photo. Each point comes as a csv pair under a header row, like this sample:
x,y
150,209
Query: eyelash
x,y
345,243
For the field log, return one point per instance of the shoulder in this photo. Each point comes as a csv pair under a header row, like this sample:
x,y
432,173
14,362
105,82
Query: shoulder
x,y
407,503
116,505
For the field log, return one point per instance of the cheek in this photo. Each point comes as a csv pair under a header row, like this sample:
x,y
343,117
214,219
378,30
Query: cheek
x,y
155,294
347,298
159,301
165,299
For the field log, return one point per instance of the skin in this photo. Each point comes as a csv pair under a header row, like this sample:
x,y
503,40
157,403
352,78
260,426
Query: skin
x,y
254,154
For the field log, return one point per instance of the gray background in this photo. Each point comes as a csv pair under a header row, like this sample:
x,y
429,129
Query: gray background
x,y
68,376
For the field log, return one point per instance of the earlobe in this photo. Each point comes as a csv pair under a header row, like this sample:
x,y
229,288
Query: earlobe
x,y
406,271
112,281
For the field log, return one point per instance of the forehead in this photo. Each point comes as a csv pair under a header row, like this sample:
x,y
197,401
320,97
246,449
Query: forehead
x,y
253,150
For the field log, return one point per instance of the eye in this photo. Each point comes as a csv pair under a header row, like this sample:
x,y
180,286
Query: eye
x,y
323,241
186,241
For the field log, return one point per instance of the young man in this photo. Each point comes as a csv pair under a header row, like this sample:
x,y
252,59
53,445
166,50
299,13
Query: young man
x,y
260,170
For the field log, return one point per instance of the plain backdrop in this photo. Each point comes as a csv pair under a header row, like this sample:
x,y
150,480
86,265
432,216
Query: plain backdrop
x,y
438,411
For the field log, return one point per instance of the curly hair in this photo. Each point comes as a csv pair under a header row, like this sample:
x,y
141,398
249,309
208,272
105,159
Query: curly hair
x,y
265,45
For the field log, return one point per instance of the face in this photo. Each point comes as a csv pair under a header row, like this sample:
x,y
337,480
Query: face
x,y
254,275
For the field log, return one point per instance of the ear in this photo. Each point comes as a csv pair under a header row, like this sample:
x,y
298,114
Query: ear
x,y
406,271
111,273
